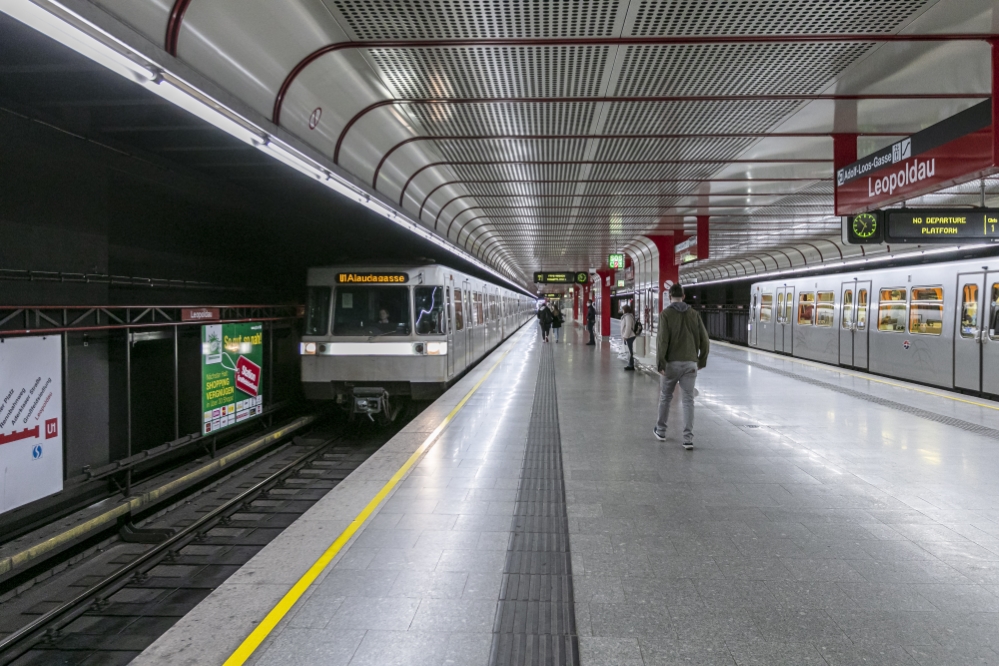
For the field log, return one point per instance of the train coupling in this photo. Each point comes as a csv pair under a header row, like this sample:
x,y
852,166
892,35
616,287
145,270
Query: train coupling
x,y
370,401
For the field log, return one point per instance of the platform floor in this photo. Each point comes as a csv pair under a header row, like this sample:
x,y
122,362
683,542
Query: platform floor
x,y
824,517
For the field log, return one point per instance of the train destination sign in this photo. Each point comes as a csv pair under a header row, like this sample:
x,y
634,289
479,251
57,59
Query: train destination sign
x,y
910,225
561,277
372,278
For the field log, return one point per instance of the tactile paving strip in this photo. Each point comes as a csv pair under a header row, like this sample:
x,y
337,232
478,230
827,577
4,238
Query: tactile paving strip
x,y
535,620
985,431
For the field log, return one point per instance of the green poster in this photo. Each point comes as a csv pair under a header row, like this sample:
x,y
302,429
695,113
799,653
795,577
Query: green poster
x,y
232,358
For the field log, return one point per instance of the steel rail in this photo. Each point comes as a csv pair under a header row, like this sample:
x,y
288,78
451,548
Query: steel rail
x,y
38,628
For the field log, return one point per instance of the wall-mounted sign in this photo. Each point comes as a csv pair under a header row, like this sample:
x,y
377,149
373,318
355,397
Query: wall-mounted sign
x,y
953,151
561,277
199,314
232,359
685,252
615,261
910,225
620,283
31,426
372,278
864,228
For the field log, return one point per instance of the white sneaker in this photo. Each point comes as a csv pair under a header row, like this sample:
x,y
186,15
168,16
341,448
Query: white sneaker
x,y
661,438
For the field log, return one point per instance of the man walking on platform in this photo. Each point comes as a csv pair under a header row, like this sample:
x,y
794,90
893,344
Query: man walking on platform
x,y
682,349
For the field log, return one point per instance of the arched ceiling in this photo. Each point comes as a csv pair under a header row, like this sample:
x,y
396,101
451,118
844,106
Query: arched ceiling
x,y
540,134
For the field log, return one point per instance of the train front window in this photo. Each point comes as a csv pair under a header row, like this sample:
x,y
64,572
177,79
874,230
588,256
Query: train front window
x,y
969,310
371,311
429,308
926,311
317,311
891,311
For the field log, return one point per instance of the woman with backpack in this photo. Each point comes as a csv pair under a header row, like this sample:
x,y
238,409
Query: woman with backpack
x,y
630,328
557,321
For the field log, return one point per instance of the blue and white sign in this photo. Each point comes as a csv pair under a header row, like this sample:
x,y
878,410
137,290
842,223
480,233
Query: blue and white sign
x,y
30,419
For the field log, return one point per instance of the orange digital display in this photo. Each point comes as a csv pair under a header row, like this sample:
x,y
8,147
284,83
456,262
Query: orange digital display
x,y
372,278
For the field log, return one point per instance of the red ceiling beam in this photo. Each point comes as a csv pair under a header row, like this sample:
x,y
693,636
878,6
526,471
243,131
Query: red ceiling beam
x,y
668,98
627,180
666,40
374,180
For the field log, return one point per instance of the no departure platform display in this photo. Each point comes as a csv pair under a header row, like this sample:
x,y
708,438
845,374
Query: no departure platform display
x,y
232,358
919,225
561,277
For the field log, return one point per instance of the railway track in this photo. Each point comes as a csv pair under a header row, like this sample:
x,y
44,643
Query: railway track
x,y
109,607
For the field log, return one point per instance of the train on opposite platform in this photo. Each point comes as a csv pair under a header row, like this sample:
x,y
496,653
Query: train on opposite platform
x,y
376,336
936,324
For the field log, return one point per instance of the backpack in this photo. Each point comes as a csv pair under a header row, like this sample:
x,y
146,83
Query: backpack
x,y
637,328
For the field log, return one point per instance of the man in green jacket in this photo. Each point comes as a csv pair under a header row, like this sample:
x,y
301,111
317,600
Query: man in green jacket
x,y
682,349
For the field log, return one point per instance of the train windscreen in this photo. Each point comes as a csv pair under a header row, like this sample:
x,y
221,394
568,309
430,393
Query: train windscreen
x,y
317,311
429,304
371,311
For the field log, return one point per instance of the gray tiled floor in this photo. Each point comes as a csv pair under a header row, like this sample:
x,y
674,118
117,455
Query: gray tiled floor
x,y
806,527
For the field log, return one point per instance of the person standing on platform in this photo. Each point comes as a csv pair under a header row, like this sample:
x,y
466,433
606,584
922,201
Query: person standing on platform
x,y
557,321
591,321
682,349
545,319
628,334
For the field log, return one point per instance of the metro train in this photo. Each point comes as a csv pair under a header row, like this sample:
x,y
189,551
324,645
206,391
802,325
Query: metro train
x,y
377,334
934,324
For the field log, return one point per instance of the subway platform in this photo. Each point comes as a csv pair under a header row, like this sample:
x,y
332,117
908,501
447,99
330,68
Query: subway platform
x,y
824,517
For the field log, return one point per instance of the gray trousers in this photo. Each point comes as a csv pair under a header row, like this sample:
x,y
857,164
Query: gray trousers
x,y
685,374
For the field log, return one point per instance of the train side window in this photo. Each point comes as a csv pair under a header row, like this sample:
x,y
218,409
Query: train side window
x,y
891,310
477,301
861,309
969,310
847,308
806,308
766,307
317,311
429,310
926,311
459,316
788,308
994,319
780,306
825,309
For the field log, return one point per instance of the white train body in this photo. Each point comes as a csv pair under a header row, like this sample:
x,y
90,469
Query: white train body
x,y
935,324
375,332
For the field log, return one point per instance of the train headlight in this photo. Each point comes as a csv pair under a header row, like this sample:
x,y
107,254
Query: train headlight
x,y
307,348
436,348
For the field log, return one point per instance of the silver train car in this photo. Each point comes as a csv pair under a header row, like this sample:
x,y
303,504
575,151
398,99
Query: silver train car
x,y
935,324
375,334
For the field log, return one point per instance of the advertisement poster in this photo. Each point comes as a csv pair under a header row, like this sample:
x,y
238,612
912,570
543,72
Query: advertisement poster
x,y
232,358
30,419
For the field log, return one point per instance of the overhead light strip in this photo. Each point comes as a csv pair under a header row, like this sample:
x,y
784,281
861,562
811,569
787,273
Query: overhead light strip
x,y
77,33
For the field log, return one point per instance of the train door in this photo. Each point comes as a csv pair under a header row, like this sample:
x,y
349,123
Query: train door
x,y
847,321
990,336
466,289
862,299
968,331
450,328
783,335
778,342
753,328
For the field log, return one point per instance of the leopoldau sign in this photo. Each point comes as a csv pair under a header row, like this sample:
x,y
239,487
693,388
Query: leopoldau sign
x,y
953,151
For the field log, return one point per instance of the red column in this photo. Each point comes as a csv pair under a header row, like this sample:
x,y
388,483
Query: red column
x,y
606,275
703,240
995,100
575,302
668,270
845,153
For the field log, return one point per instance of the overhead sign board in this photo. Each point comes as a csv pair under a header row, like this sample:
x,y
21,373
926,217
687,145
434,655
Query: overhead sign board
x,y
232,358
561,277
615,261
953,151
910,225
372,278
685,252
199,314
31,428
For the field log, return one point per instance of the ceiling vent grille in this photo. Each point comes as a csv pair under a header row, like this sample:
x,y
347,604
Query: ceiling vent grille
x,y
523,71
509,150
505,118
699,117
478,19
770,17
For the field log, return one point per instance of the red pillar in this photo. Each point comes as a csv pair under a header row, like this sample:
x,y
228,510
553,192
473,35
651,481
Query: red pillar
x,y
703,240
606,275
575,302
845,153
995,100
668,270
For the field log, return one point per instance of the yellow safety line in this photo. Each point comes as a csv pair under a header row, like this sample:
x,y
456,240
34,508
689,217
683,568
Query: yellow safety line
x,y
253,641
859,375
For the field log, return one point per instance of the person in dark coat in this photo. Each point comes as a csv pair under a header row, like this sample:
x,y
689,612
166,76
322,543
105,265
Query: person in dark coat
x,y
545,317
557,321
591,321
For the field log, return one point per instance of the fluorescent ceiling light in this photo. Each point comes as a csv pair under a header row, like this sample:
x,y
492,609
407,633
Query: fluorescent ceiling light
x,y
91,42
205,108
